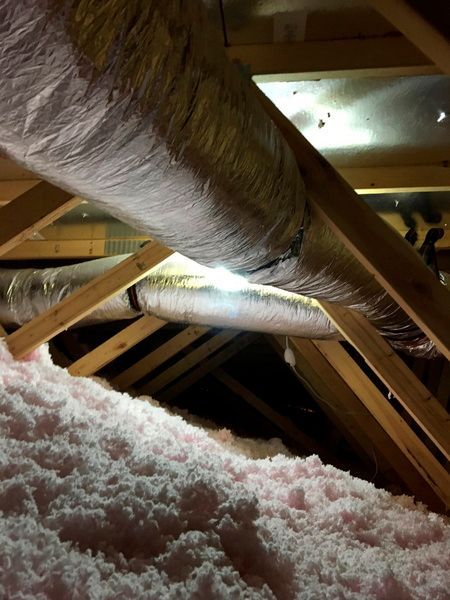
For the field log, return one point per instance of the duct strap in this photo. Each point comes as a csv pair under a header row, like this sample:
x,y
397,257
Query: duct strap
x,y
133,299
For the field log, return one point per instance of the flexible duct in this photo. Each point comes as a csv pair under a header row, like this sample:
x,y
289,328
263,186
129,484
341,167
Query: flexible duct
x,y
177,290
132,104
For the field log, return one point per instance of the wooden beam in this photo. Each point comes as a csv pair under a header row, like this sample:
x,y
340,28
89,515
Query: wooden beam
x,y
84,300
391,260
340,404
408,442
394,373
121,342
207,366
282,422
419,31
397,179
10,189
96,230
188,362
152,361
331,393
62,249
362,57
443,388
31,211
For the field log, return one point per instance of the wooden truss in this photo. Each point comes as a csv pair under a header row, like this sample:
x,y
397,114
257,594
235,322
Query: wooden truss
x,y
410,435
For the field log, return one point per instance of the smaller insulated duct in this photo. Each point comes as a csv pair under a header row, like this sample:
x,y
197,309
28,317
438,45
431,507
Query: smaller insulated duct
x,y
178,290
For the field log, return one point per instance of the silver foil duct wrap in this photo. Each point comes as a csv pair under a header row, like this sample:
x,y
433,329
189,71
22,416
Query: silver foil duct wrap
x,y
133,105
150,121
27,293
177,290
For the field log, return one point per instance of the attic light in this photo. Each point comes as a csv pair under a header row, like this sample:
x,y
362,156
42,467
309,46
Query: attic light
x,y
227,281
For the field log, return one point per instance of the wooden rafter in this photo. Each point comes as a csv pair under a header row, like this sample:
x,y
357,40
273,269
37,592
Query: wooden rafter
x,y
417,29
401,381
207,366
343,407
118,344
152,361
282,422
11,188
394,425
71,249
83,301
188,362
31,211
361,57
391,260
398,178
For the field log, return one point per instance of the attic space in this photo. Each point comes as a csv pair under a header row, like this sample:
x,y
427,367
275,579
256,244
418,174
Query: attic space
x,y
224,299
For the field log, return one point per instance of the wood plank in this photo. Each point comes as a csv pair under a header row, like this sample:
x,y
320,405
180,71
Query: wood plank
x,y
331,393
43,249
207,366
414,27
408,442
443,390
188,362
373,242
152,361
31,211
86,299
95,230
10,189
397,179
341,404
282,422
118,344
394,373
356,57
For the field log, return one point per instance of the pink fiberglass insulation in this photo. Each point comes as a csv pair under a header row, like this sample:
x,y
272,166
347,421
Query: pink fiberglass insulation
x,y
105,496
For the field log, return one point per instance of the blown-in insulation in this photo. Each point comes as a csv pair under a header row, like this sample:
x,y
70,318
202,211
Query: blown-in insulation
x,y
133,105
104,496
177,290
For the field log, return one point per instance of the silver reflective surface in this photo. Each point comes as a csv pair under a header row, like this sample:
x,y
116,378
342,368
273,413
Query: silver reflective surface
x,y
371,121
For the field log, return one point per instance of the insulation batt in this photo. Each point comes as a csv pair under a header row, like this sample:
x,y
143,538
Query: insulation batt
x,y
133,104
105,496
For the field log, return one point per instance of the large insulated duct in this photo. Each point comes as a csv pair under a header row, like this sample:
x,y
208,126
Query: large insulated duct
x,y
177,290
133,105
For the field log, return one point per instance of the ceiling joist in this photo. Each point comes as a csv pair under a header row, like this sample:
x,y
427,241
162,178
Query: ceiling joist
x,y
116,346
31,211
206,366
360,57
164,352
282,422
417,29
397,179
188,362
